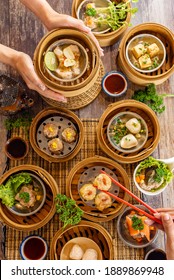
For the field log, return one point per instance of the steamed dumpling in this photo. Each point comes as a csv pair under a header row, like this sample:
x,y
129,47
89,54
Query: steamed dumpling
x,y
76,252
88,191
133,125
103,182
102,201
128,141
90,254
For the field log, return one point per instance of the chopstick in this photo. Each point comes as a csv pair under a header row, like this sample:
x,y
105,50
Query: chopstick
x,y
129,204
129,192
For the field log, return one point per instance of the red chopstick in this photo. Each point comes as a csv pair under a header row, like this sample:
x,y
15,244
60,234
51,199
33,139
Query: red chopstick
x,y
130,193
129,204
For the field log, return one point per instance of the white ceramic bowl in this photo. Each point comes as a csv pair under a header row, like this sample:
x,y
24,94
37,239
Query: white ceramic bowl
x,y
110,135
138,38
33,247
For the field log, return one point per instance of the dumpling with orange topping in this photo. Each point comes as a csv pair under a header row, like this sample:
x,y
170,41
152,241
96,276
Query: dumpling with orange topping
x,y
103,182
102,201
50,130
55,146
88,191
69,134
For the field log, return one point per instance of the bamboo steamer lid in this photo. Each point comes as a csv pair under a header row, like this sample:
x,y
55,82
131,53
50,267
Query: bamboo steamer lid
x,y
44,215
90,212
47,113
164,72
153,130
109,38
87,229
68,88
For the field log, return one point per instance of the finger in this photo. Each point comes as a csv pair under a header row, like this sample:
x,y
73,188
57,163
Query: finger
x,y
168,226
150,223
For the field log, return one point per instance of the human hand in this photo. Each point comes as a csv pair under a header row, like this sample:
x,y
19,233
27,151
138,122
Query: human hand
x,y
166,215
24,66
60,20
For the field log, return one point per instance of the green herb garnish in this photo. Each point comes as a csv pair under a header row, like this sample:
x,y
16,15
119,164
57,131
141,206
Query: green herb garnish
x,y
91,12
14,122
137,223
69,212
150,97
120,130
25,196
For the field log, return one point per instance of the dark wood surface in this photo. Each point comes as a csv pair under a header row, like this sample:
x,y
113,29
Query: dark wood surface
x,y
21,30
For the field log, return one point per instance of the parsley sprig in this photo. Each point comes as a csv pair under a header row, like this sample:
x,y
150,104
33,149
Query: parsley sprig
x,y
137,223
69,213
150,97
25,196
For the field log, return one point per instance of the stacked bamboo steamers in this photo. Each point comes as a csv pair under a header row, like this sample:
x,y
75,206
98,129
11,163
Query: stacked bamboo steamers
x,y
78,87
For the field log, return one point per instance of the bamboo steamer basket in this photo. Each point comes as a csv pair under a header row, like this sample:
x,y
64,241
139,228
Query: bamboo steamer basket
x,y
51,112
87,229
44,215
68,89
109,38
153,130
165,71
91,213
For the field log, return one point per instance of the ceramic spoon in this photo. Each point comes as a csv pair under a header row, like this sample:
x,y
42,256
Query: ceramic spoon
x,y
169,162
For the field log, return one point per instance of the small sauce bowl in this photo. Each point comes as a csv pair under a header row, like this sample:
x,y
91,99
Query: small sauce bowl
x,y
16,148
114,84
33,247
155,254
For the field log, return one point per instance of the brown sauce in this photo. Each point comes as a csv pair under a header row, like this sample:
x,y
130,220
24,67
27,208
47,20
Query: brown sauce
x,y
34,248
17,148
156,255
115,84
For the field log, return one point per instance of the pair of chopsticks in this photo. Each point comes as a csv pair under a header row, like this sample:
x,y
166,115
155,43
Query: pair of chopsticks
x,y
134,196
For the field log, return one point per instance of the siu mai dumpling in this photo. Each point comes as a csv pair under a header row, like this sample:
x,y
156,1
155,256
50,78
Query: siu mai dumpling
x,y
133,125
69,134
128,141
102,201
55,146
103,182
50,130
88,192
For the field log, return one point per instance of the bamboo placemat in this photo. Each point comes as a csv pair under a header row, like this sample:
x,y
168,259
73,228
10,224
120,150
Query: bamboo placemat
x,y
60,172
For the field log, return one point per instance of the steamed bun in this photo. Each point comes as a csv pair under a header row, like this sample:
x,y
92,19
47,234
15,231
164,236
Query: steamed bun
x,y
90,254
76,252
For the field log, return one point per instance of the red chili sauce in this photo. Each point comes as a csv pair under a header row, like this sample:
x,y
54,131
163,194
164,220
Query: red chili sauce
x,y
34,248
114,83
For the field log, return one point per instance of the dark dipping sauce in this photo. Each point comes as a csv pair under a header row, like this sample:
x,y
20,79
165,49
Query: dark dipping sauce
x,y
34,248
16,148
115,84
156,255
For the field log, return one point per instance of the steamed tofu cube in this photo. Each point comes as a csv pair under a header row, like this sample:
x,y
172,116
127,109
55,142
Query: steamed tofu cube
x,y
139,50
145,61
153,50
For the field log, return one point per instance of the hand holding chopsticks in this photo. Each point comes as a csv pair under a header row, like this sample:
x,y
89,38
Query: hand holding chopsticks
x,y
134,196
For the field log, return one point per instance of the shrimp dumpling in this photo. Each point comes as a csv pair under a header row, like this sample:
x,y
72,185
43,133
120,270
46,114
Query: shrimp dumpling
x,y
88,192
128,141
90,254
76,252
103,182
102,201
133,125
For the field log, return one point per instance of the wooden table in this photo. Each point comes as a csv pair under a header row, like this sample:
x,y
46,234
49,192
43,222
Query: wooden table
x,y
21,30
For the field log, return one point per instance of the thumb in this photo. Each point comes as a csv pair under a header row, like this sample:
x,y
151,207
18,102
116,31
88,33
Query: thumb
x,y
168,226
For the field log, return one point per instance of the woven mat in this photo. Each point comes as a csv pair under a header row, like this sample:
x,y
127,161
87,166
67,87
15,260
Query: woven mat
x,y
82,100
60,172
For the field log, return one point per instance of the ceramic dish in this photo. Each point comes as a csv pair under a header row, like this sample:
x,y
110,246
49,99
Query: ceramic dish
x,y
78,56
137,240
39,193
127,132
145,53
81,14
114,84
76,249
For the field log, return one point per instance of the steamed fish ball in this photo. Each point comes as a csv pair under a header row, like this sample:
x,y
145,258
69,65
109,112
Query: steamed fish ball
x,y
90,254
103,182
133,125
128,141
88,192
102,201
76,252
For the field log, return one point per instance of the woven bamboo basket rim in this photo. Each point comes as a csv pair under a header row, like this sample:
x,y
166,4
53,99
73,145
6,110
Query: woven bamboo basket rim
x,y
113,153
83,99
59,33
90,213
108,35
69,115
60,233
28,226
148,28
